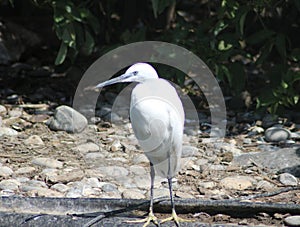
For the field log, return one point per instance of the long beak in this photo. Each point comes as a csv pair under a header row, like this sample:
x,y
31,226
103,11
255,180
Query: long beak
x,y
119,79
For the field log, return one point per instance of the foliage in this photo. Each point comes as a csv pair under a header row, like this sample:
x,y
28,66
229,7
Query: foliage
x,y
249,45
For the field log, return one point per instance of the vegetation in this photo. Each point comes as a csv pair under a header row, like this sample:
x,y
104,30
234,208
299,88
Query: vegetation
x,y
249,45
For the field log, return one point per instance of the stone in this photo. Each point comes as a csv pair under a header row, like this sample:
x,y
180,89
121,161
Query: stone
x,y
65,176
265,185
92,182
288,179
140,159
6,131
3,110
47,162
94,157
67,119
133,194
116,146
184,195
142,181
25,170
87,147
5,171
237,182
207,185
60,187
34,140
292,220
15,113
189,151
113,171
283,160
109,187
277,134
9,184
137,170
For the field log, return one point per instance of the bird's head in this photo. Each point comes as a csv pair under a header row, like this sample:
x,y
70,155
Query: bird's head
x,y
139,72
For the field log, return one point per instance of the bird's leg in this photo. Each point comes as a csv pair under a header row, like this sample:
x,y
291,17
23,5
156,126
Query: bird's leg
x,y
151,217
174,216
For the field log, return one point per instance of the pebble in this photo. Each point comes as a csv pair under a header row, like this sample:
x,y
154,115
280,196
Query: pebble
x,y
292,220
25,170
9,184
277,134
288,179
137,170
47,162
87,147
34,140
5,171
15,113
113,171
67,119
142,181
184,195
109,187
189,151
94,157
207,185
140,159
5,131
60,187
116,146
3,110
237,182
65,176
133,194
265,185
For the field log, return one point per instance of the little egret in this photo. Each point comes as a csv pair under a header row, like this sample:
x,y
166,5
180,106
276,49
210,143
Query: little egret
x,y
157,119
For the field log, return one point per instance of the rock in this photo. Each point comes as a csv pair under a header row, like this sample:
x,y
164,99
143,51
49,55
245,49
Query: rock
x,y
189,151
139,159
15,113
92,182
292,220
94,157
283,160
5,131
162,192
277,134
142,181
9,184
265,185
237,182
65,176
3,110
288,179
116,146
87,147
60,187
47,162
207,185
25,170
67,119
133,194
5,171
108,187
113,171
137,170
184,195
34,140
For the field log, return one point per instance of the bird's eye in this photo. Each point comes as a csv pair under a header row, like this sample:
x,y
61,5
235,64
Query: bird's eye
x,y
135,73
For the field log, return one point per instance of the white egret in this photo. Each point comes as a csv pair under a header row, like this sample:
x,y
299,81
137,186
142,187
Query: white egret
x,y
157,119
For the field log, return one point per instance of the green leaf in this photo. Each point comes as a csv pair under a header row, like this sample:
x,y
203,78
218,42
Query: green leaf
x,y
158,6
281,45
89,43
265,51
238,76
242,21
260,36
62,53
222,46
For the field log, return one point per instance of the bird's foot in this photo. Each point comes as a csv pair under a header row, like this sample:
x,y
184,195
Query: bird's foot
x,y
175,218
150,218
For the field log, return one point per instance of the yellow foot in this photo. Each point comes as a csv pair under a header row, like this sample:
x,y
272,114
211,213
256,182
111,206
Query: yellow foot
x,y
147,220
175,218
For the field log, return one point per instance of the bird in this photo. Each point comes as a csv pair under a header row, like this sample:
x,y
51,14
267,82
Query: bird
x,y
157,119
